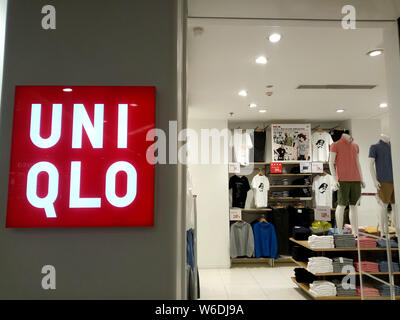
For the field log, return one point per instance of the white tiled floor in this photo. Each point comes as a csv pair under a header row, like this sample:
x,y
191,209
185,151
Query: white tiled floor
x,y
249,283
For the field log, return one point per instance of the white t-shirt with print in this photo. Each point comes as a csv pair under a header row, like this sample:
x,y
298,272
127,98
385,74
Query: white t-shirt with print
x,y
241,147
323,188
260,186
320,142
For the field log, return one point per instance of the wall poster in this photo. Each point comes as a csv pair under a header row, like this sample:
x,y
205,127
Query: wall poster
x,y
291,142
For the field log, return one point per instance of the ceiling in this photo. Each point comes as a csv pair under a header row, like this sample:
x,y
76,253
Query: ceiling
x,y
221,62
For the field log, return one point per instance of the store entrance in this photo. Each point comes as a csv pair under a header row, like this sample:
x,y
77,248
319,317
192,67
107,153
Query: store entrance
x,y
301,112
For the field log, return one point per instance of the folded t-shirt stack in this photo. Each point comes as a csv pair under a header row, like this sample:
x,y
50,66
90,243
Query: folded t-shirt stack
x,y
344,241
367,266
368,291
382,243
384,266
300,253
340,262
333,231
301,233
303,276
321,242
366,242
319,265
322,288
345,290
350,230
384,290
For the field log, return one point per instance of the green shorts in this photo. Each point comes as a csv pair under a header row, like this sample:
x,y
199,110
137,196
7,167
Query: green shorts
x,y
349,192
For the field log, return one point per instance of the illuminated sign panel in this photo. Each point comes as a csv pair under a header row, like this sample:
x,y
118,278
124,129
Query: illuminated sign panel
x,y
79,157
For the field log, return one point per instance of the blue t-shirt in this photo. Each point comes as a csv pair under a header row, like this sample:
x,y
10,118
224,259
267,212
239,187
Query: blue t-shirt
x,y
382,154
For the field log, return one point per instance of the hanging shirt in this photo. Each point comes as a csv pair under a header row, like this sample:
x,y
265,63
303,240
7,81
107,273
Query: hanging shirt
x,y
241,240
260,185
241,142
320,142
382,154
346,160
265,241
239,186
323,188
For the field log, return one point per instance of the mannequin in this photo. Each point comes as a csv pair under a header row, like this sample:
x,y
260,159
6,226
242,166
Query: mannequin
x,y
346,171
380,166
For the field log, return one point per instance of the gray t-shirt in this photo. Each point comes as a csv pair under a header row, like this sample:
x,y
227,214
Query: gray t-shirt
x,y
382,154
303,148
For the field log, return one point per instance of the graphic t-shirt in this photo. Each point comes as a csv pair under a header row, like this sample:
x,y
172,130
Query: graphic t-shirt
x,y
281,153
303,148
320,142
260,185
239,186
323,188
241,142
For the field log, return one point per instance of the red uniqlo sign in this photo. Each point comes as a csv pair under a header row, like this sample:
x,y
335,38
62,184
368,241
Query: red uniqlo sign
x,y
79,157
276,167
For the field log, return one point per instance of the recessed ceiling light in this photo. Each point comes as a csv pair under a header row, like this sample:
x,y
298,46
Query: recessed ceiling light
x,y
252,105
262,111
67,89
275,37
375,53
243,93
261,60
383,105
340,110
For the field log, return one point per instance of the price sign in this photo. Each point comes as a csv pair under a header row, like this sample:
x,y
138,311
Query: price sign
x,y
234,167
317,167
276,167
305,167
322,213
235,214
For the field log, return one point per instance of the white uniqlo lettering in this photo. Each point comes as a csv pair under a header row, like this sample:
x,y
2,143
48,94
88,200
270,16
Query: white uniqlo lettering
x,y
94,131
47,202
75,200
131,185
36,113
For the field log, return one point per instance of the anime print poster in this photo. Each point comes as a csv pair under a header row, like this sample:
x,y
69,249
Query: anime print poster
x,y
291,142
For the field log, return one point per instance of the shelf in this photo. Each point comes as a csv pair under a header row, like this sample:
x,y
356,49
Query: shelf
x,y
290,198
256,210
290,174
304,265
284,162
269,261
289,186
306,289
304,243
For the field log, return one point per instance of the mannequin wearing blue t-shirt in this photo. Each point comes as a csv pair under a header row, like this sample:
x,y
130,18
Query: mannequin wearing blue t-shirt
x,y
380,165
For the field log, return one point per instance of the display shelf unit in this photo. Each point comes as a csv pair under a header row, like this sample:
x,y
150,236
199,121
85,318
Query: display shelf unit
x,y
239,261
303,264
291,198
255,210
304,243
290,186
305,287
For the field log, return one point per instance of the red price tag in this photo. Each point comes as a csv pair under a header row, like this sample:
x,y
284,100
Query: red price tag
x,y
276,167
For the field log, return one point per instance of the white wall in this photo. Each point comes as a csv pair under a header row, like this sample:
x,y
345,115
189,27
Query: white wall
x,y
210,184
365,133
3,12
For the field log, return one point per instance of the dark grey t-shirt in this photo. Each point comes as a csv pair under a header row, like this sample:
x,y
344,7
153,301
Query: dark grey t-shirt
x,y
382,154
